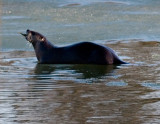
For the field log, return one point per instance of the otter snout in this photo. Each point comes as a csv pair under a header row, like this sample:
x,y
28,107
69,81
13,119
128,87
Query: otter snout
x,y
28,35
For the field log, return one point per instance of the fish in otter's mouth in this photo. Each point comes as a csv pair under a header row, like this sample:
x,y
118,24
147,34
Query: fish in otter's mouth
x,y
26,35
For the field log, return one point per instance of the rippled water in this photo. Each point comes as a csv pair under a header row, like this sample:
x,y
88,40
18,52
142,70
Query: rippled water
x,y
32,93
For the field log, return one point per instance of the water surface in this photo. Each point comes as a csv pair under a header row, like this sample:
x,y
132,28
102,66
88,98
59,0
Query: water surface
x,y
80,94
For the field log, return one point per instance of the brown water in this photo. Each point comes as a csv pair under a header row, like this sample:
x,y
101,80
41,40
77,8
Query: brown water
x,y
31,93
82,94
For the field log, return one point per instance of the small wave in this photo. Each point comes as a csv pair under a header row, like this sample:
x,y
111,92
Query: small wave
x,y
13,17
87,2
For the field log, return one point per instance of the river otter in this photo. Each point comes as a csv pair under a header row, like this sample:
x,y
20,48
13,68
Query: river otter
x,y
79,53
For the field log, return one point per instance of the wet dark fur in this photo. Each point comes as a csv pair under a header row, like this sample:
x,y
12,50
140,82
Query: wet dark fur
x,y
79,53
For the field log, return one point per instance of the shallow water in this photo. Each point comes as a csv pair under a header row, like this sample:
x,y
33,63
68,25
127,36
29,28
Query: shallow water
x,y
80,94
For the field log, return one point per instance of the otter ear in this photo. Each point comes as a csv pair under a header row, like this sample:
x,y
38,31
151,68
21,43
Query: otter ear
x,y
42,39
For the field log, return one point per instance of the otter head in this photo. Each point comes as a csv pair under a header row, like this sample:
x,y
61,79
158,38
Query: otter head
x,y
33,37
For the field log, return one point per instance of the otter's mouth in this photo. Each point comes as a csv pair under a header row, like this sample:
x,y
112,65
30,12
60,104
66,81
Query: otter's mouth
x,y
26,35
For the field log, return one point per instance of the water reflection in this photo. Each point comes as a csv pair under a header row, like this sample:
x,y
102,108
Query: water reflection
x,y
80,103
86,71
